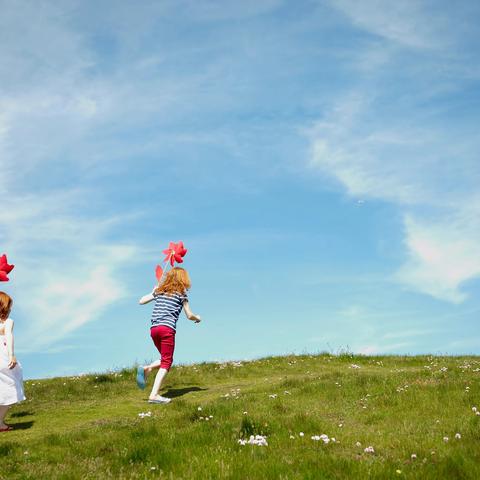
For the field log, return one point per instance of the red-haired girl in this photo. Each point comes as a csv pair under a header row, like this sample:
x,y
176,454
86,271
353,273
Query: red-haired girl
x,y
170,298
11,379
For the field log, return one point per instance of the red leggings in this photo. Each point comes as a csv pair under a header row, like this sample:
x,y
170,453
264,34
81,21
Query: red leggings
x,y
164,339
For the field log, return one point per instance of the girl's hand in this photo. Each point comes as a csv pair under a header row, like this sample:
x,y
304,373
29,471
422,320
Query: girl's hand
x,y
197,319
12,362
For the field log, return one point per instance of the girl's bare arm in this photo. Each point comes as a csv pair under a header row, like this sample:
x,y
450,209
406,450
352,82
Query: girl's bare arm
x,y
10,348
147,298
190,315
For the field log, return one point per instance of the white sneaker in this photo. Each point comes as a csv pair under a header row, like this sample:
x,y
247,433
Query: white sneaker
x,y
160,399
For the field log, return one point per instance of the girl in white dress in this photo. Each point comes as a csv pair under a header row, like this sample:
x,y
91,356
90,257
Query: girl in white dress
x,y
11,378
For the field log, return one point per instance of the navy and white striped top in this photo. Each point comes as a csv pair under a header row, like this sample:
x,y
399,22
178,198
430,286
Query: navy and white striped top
x,y
167,309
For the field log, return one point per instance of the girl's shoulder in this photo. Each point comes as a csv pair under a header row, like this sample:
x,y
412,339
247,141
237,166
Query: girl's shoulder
x,y
171,294
174,296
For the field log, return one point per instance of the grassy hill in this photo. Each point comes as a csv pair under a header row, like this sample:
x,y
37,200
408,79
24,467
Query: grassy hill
x,y
89,426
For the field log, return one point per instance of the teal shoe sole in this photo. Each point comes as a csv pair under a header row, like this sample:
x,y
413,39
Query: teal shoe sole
x,y
140,378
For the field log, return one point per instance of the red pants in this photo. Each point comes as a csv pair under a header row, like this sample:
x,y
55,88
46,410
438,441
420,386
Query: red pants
x,y
164,339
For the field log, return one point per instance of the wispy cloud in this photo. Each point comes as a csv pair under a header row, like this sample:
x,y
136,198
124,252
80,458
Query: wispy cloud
x,y
416,158
67,272
409,23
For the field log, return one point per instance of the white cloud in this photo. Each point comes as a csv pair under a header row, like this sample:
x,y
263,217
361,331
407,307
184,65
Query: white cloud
x,y
66,273
442,255
64,301
419,176
420,159
409,22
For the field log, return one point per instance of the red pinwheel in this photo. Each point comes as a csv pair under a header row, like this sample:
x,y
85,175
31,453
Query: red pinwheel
x,y
5,268
175,253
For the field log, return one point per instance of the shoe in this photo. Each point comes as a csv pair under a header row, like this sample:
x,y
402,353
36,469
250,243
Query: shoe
x,y
140,378
8,428
160,399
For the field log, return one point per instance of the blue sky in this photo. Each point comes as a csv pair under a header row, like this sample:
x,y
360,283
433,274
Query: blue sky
x,y
319,159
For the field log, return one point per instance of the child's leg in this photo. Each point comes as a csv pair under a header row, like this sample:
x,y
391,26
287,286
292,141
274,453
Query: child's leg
x,y
162,372
3,412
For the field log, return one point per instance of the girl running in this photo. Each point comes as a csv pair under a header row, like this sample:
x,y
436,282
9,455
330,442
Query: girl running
x,y
170,297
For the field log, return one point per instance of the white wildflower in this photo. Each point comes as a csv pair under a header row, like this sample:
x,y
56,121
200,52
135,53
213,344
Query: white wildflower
x,y
458,436
445,439
259,440
353,365
301,434
369,449
358,444
413,456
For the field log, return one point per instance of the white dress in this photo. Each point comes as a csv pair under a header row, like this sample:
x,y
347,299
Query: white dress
x,y
11,380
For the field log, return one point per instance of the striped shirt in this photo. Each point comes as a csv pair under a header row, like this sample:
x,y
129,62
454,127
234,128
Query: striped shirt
x,y
167,309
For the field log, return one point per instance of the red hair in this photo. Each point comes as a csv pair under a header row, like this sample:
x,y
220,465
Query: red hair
x,y
6,303
176,281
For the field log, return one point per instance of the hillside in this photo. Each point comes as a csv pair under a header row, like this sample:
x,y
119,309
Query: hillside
x,y
408,409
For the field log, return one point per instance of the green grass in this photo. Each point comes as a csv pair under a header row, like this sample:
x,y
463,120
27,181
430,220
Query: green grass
x,y
88,427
